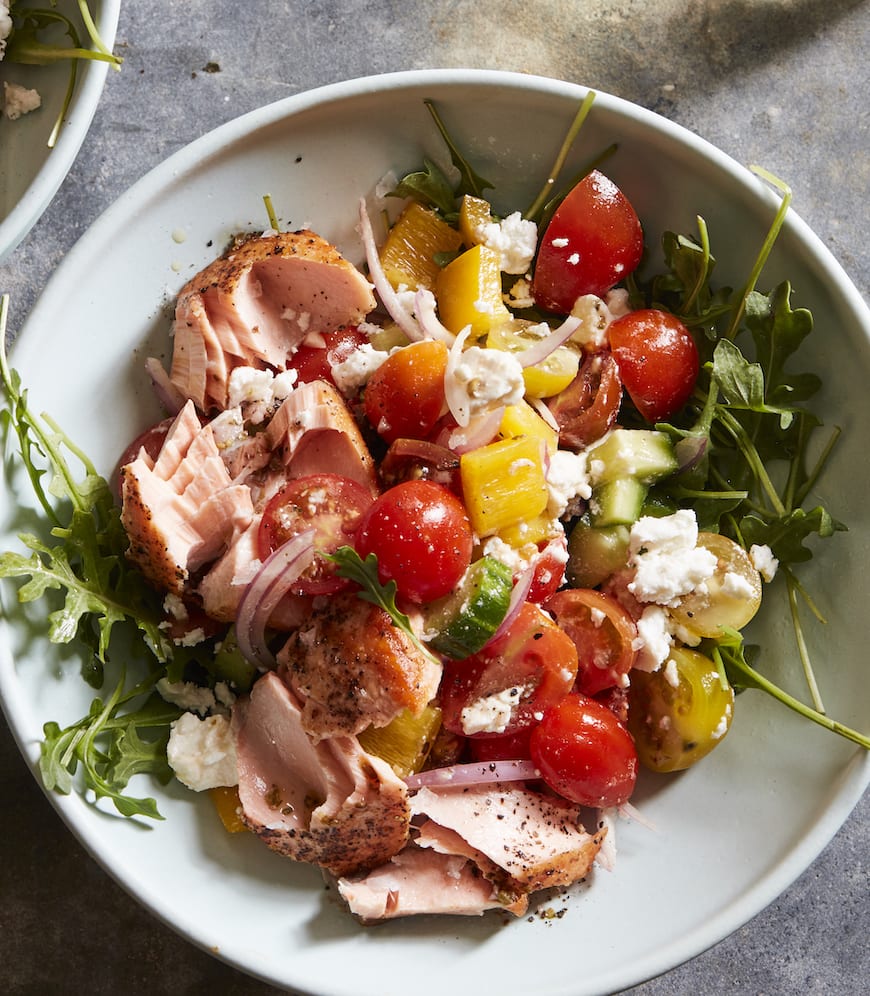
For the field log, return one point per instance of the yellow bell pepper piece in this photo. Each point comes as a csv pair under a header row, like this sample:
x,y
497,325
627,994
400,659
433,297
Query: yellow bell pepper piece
x,y
474,213
504,483
523,420
469,292
405,741
418,236
226,802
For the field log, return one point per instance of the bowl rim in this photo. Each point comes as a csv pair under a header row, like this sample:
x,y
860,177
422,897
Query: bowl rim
x,y
855,776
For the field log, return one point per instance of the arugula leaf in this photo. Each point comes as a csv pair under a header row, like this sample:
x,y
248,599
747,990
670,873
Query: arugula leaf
x,y
430,186
730,652
103,598
470,182
365,573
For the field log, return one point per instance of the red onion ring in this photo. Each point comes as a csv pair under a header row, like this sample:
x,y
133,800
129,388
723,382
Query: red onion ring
x,y
519,594
476,773
389,298
167,393
424,308
542,349
265,590
478,432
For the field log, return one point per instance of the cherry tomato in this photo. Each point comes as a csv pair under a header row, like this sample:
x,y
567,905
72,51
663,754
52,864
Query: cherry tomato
x,y
151,440
405,395
602,631
315,362
593,241
512,747
584,753
333,506
508,685
658,361
419,459
588,406
548,566
422,538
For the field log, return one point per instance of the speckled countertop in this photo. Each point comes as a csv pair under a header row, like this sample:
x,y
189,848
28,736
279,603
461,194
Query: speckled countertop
x,y
779,82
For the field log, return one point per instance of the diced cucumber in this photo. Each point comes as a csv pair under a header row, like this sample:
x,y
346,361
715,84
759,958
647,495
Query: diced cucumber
x,y
645,454
595,553
466,620
618,502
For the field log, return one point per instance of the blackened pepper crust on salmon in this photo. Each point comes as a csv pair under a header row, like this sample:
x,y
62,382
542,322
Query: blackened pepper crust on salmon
x,y
255,304
354,668
327,802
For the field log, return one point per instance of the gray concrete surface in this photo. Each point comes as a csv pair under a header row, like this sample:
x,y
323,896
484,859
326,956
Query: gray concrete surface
x,y
781,83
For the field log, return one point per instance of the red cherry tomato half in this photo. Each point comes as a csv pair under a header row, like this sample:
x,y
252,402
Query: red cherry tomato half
x,y
657,359
512,747
593,241
315,362
421,535
584,753
333,506
589,405
512,680
151,440
548,567
405,395
603,633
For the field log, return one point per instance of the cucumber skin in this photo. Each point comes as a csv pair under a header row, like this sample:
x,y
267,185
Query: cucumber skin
x,y
478,609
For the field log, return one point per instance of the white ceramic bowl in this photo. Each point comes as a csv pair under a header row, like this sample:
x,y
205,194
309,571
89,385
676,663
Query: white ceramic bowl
x,y
731,833
31,172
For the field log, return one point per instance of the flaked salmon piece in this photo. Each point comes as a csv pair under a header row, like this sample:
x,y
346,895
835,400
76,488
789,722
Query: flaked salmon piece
x,y
519,838
255,304
222,587
329,803
315,433
354,668
418,881
180,509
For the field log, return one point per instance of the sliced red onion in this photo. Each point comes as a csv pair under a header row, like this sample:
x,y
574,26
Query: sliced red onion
x,y
424,307
689,451
477,773
478,432
542,349
519,594
265,590
629,812
167,393
543,409
389,298
454,392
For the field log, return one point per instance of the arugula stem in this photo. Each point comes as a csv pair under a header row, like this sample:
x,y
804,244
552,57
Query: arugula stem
x,y
766,247
803,652
704,271
750,453
562,155
810,482
270,212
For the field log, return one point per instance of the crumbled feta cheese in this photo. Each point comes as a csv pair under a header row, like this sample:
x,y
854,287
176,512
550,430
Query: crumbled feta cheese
x,y
491,714
202,752
5,26
734,585
516,558
568,482
18,100
514,238
666,559
595,317
187,695
764,561
519,296
724,723
486,379
672,675
654,640
353,373
258,392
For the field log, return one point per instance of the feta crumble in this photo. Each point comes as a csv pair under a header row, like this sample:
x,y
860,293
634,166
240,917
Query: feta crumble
x,y
202,752
764,561
665,558
484,380
491,714
568,482
18,100
353,373
258,392
514,238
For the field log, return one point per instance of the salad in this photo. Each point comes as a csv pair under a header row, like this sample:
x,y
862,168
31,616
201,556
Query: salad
x,y
430,559
29,36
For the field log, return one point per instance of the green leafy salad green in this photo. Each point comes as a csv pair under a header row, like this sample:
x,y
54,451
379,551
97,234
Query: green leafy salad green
x,y
32,42
744,443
